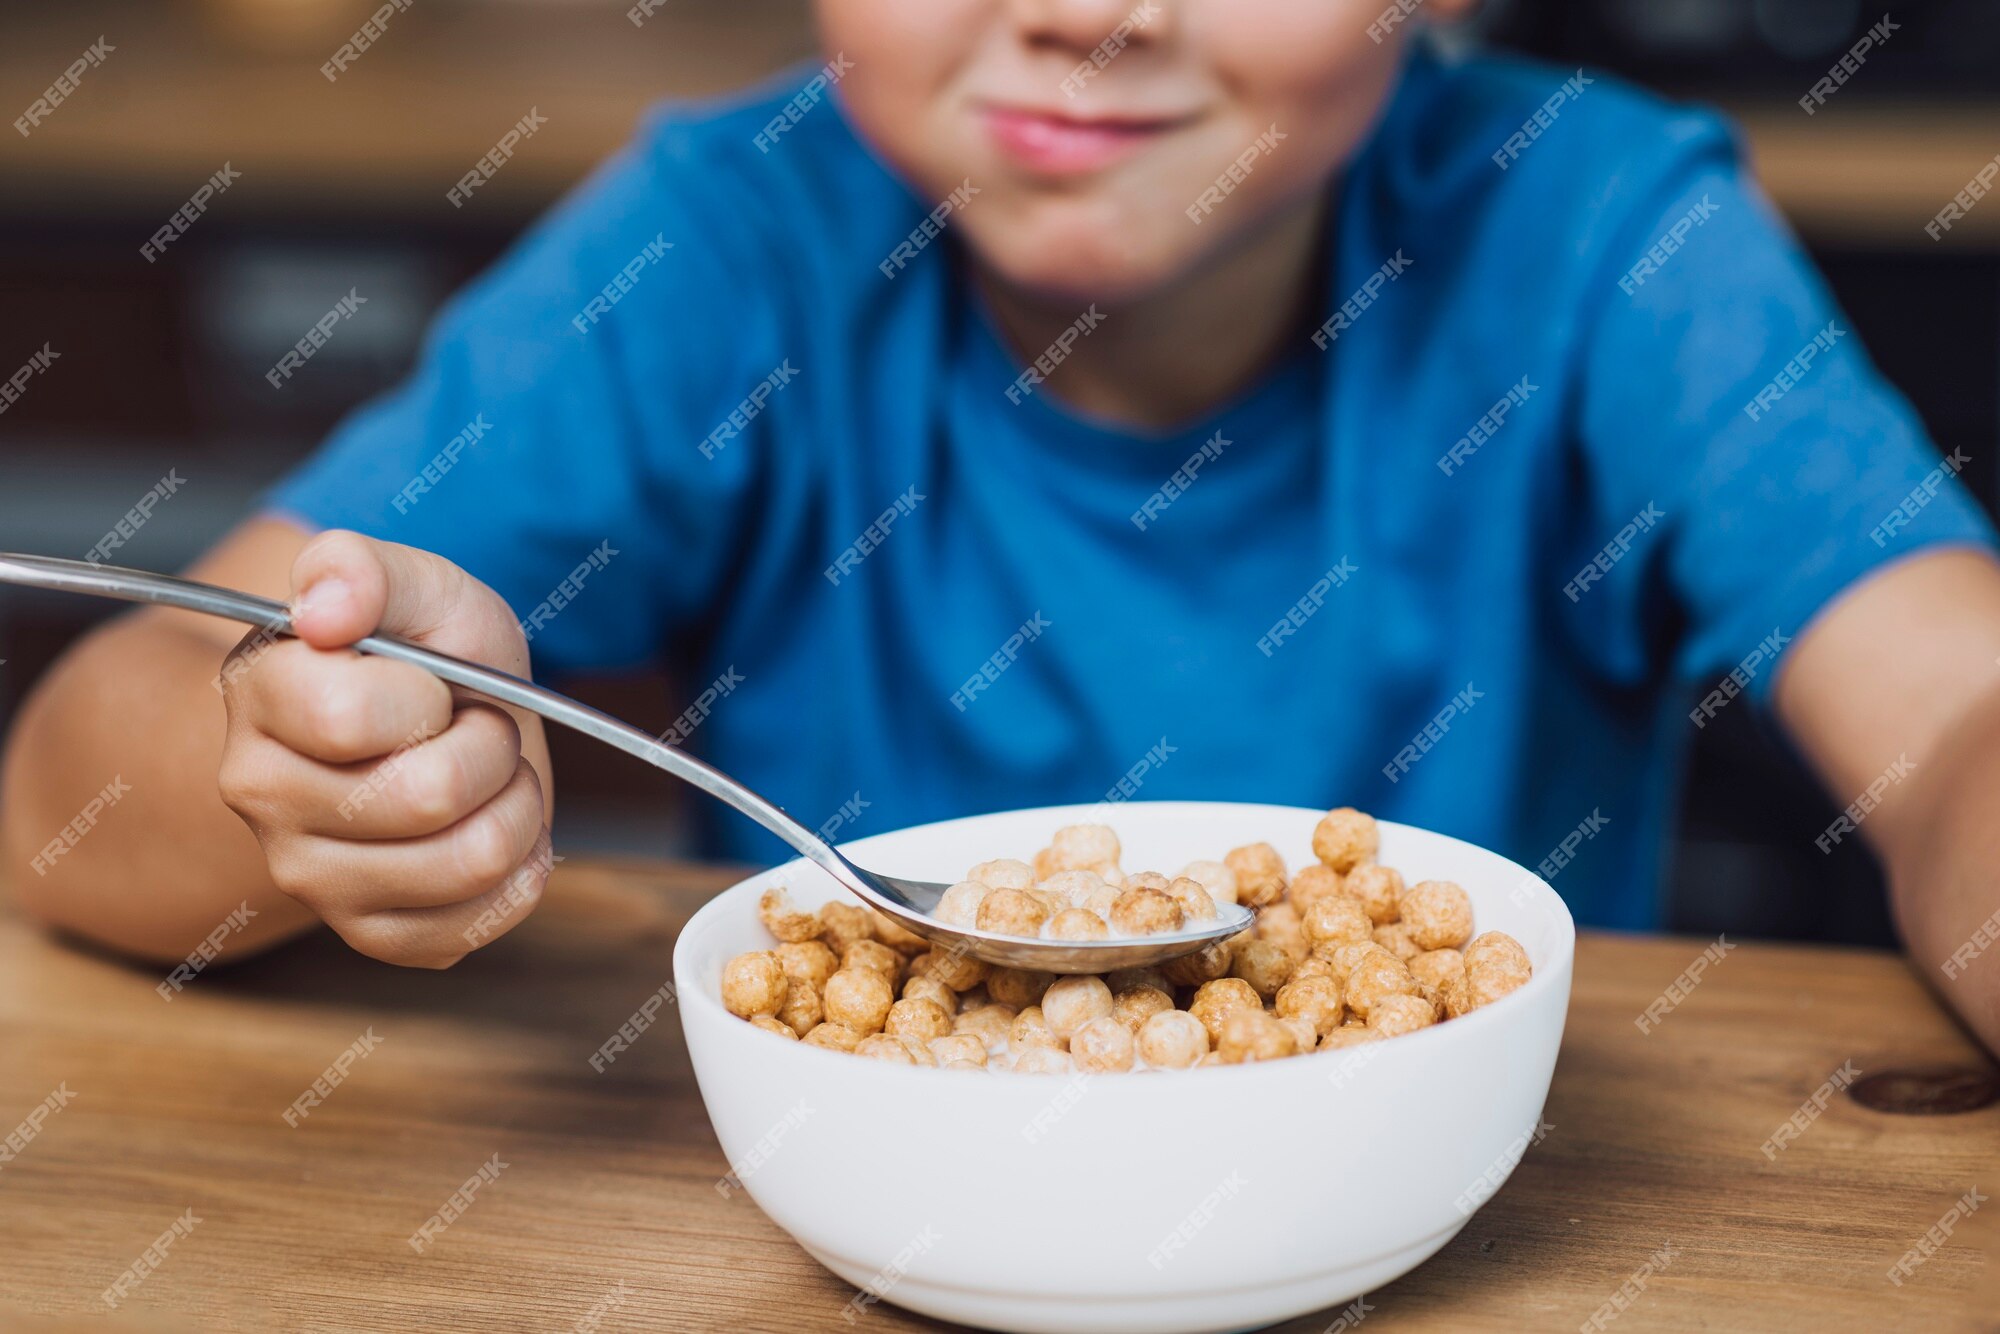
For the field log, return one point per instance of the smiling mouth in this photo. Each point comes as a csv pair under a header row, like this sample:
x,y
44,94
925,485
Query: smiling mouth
x,y
1057,144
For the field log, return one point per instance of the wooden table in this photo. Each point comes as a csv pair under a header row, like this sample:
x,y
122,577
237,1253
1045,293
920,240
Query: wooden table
x,y
177,1106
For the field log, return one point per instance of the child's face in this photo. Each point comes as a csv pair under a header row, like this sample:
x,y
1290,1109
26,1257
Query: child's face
x,y
1103,183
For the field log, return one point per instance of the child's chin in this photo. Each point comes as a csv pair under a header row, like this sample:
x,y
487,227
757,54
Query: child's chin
x,y
1081,274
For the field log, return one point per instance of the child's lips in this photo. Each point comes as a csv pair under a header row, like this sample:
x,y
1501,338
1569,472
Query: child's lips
x,y
1055,144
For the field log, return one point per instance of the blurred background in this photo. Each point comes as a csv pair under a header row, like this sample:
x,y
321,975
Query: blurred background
x,y
342,184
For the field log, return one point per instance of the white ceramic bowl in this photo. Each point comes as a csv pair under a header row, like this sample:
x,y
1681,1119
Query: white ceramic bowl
x,y
1215,1199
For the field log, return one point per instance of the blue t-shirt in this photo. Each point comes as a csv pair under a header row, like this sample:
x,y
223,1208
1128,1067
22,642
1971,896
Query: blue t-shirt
x,y
1582,444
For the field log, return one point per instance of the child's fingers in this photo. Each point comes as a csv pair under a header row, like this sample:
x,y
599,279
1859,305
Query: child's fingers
x,y
345,586
439,937
341,707
405,795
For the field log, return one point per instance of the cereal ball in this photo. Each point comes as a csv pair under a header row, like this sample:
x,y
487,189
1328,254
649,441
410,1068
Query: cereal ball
x,y
960,972
1313,965
1499,948
972,1066
1133,1006
1379,888
895,935
1304,1036
858,998
1312,884
1147,880
802,1010
1317,1000
1049,899
959,905
1172,1040
919,1019
1481,984
1124,979
959,1047
1145,912
1216,1001
834,1037
808,960
1343,1038
1074,888
1342,957
1216,878
1072,1002
1394,1016
1042,1061
873,954
1109,873
1204,965
932,990
1281,924
1017,986
1438,914
1375,977
781,919
1260,874
774,1026
1395,938
1433,969
1263,965
1078,924
841,924
1006,873
1081,845
1197,905
1101,1047
753,983
1046,864
1344,838
882,1047
1252,1035
991,1024
1337,919
1030,1029
1013,912
1099,901
972,1000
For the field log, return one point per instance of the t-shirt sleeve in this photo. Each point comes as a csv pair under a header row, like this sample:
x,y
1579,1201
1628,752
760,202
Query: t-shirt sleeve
x,y
550,439
1739,447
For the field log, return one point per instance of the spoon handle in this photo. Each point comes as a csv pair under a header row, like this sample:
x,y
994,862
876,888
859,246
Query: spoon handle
x,y
108,581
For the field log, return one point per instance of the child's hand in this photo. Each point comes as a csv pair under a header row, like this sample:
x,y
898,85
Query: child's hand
x,y
409,822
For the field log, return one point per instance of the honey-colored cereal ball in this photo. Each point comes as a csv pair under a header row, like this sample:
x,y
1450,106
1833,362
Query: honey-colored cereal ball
x,y
781,919
1486,982
1047,863
1313,965
1497,947
1204,965
1317,1000
919,1019
1145,912
960,972
1051,901
989,1023
775,1027
1133,1006
967,1047
1147,880
858,998
973,999
959,905
1438,914
1077,924
1336,920
873,954
1043,1061
932,990
808,960
1030,1029
1172,1040
1344,838
1343,956
882,1047
1394,1016
834,1037
1099,901
1017,987
973,1067
1197,905
1375,977
1344,1037
895,935
1215,1001
1073,888
1216,878
1102,1046
1260,874
1311,884
1124,979
1252,1035
1433,969
1395,938
1281,924
1080,845
1380,889
1005,873
841,924
1013,912
1263,965
1072,1002
753,983
802,1010
920,1052
1109,873
1304,1036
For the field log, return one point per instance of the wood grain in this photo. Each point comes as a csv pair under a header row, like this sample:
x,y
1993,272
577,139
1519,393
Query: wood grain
x,y
609,1178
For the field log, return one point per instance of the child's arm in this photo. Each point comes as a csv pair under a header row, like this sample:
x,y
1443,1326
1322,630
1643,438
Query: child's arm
x,y
1894,692
252,774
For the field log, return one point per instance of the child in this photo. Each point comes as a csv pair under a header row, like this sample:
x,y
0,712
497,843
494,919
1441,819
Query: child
x,y
1047,398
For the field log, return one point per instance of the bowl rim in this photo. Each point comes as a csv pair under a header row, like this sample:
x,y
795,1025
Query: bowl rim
x,y
1545,977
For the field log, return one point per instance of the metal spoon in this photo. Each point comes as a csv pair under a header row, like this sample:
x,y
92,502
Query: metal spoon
x,y
908,902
